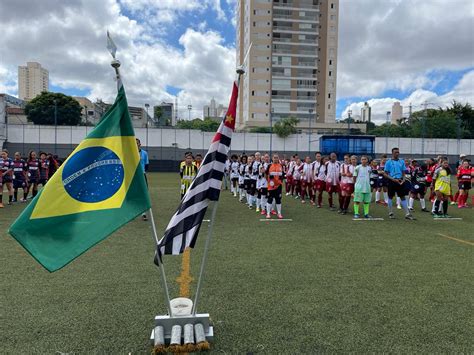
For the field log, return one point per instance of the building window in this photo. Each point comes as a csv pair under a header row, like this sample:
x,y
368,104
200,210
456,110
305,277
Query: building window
x,y
330,61
329,106
332,5
329,96
330,73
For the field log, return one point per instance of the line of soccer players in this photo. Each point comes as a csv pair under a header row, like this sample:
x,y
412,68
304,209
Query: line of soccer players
x,y
26,174
383,178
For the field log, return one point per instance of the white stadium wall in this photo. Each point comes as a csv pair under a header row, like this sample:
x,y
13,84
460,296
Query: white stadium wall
x,y
26,137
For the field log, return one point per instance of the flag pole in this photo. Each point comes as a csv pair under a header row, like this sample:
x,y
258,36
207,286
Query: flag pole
x,y
161,266
240,71
204,257
116,65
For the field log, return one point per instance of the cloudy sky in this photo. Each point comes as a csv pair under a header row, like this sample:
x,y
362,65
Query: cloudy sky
x,y
406,50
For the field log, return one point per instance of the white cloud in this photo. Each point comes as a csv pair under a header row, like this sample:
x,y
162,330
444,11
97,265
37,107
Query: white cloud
x,y
69,40
396,44
463,92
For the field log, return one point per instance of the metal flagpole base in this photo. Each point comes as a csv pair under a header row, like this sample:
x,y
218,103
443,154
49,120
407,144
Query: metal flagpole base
x,y
168,323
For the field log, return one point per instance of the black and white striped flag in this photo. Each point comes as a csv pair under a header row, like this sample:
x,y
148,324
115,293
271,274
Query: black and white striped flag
x,y
183,228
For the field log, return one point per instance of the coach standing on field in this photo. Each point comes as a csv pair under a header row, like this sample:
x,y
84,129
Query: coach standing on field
x,y
144,162
395,172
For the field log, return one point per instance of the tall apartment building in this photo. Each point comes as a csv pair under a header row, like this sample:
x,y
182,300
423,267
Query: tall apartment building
x,y
32,80
397,112
292,64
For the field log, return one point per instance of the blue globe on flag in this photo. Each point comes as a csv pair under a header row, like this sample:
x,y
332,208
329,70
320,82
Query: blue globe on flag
x,y
93,174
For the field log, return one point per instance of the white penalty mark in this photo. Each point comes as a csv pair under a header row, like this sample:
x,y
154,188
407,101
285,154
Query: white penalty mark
x,y
367,219
277,220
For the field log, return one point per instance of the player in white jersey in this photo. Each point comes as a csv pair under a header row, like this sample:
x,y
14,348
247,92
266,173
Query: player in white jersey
x,y
297,177
347,182
242,182
262,184
318,189
234,174
333,168
253,172
290,186
306,180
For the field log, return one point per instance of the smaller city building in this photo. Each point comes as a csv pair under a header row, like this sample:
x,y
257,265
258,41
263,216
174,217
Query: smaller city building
x,y
163,114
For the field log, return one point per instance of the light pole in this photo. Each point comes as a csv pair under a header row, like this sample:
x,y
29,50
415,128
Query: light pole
x,y
458,123
190,107
349,113
309,132
147,106
55,126
387,122
271,130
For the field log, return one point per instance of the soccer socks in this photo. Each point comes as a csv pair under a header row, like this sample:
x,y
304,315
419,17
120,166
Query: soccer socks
x,y
366,209
263,203
436,206
356,208
15,194
377,196
330,200
390,205
445,207
411,201
399,201
385,197
404,205
258,203
278,206
320,198
423,203
10,198
348,202
341,201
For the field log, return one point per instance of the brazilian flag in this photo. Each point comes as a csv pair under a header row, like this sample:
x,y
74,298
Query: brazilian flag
x,y
99,188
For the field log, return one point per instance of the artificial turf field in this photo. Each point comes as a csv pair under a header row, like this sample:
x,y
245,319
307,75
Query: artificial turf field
x,y
320,284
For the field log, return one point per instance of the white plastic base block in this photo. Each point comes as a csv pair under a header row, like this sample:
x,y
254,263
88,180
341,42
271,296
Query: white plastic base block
x,y
168,322
276,220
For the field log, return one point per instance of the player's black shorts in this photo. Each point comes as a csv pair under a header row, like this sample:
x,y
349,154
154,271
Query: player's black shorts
x,y
373,183
263,191
252,186
274,194
466,185
234,179
247,184
19,184
7,179
396,188
418,188
382,182
33,180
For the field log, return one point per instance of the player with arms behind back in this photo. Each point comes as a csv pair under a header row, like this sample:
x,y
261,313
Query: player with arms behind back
x,y
275,178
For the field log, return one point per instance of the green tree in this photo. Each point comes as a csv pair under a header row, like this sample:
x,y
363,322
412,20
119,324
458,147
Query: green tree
x,y
466,114
41,109
206,125
286,126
